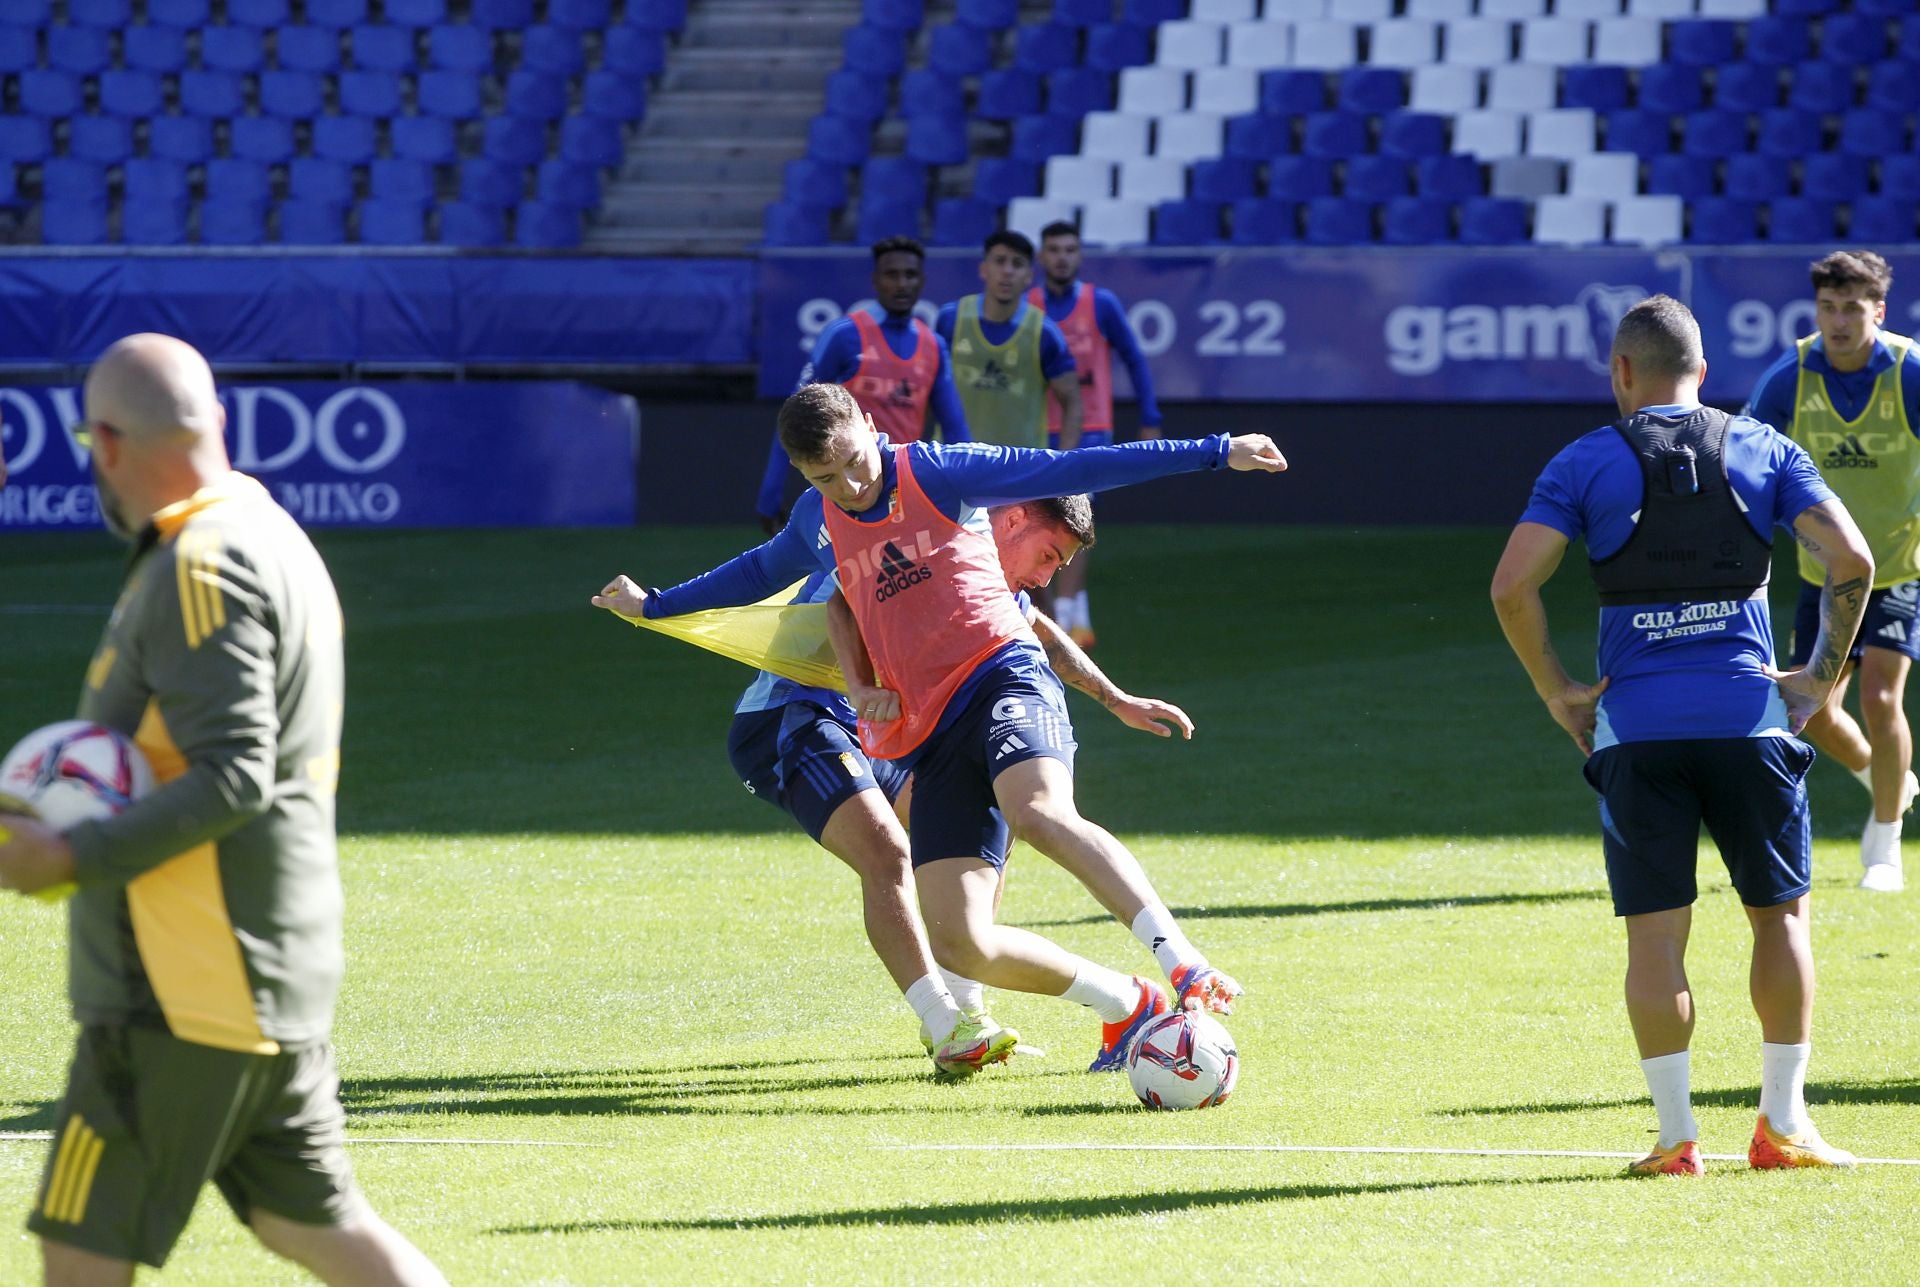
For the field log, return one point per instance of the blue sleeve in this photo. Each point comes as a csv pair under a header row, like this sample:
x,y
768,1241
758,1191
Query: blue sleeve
x,y
747,578
1800,487
946,401
836,358
1112,319
1056,359
773,483
943,324
1555,501
1772,400
984,474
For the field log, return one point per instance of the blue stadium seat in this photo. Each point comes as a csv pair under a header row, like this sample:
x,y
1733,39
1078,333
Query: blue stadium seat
x,y
1820,87
1777,42
633,51
414,13
486,182
312,223
592,140
786,224
538,225
535,95
24,140
808,182
1375,178
385,49
502,15
73,223
1894,86
154,223
211,93
1900,177
1258,136
147,182
84,51
392,179
1146,13
183,14
1805,8
937,140
893,179
180,138
576,15
1883,8
1746,87
1116,46
106,139
887,219
999,179
19,49
1297,178
1416,221
874,50
1867,132
1679,176
1226,179
464,224
1046,47
959,50
657,15
392,223
1411,135
1633,130
1800,219
993,15
1907,46
1082,13
423,138
232,221
515,141
1293,91
452,95
298,96
1449,178
898,15
1334,134
1714,133
1006,93
232,49
552,49
353,139
65,179
371,93
1882,220
238,180
154,49
1834,176
856,97
1597,87
1191,222
1786,133
1337,221
266,14
268,139
1853,38
1724,221
964,221
312,178
1075,91
131,93
1752,177
1671,88
924,91
1701,42
307,49
1261,221
1371,89
1037,138
610,96
566,184
460,47
342,13
1493,221
30,13
836,139
52,94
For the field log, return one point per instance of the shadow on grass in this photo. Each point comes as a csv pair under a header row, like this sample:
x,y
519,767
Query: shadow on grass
x,y
30,1117
1007,1212
1901,1091
1266,911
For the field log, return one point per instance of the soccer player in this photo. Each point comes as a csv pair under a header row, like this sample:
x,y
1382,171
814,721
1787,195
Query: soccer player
x,y
1850,394
1007,357
1690,722
1095,324
206,947
895,367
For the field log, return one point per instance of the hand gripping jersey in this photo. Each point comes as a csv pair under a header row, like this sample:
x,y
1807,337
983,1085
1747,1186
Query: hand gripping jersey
x,y
892,389
1092,357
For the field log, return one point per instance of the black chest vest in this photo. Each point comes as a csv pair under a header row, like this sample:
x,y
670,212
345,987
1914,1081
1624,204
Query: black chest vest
x,y
1692,541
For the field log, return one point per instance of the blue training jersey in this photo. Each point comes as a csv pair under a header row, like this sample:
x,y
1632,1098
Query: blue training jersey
x,y
1679,670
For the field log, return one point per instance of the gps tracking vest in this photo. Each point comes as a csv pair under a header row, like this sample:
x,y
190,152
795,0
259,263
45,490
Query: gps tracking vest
x,y
1092,359
892,389
1691,541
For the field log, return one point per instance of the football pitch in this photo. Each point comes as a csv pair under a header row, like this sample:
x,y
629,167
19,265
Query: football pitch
x,y
609,1020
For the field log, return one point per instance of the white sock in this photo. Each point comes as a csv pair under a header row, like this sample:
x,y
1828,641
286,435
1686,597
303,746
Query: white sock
x,y
1154,927
968,994
1669,1081
1864,776
1082,614
1880,843
1783,1085
934,1004
1108,993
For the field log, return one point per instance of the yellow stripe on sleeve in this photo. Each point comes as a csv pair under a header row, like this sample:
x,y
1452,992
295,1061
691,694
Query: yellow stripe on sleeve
x,y
189,606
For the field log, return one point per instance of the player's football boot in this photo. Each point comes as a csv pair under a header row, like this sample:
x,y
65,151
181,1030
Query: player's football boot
x,y
1770,1150
975,1042
1682,1159
1201,987
1118,1038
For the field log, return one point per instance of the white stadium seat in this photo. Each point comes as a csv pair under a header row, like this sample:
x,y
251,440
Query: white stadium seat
x,y
1527,177
1189,136
1230,91
1663,9
1149,91
1588,9
1404,42
1487,134
1115,135
1326,43
1733,8
1513,10
1570,221
1647,221
1629,42
1438,9
1259,44
1115,223
1564,132
1555,42
1152,179
1029,215
1293,10
1191,44
1223,10
1445,88
1523,87
1360,10
1079,178
1478,42
1612,175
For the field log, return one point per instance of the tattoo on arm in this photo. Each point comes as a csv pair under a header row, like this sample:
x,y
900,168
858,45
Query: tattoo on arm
x,y
1840,609
1071,663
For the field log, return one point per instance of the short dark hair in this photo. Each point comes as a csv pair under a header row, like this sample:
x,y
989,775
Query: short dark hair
x,y
1660,336
1014,241
808,419
1847,268
1060,228
900,246
1072,514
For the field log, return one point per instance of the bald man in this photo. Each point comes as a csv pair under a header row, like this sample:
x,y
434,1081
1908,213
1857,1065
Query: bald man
x,y
206,929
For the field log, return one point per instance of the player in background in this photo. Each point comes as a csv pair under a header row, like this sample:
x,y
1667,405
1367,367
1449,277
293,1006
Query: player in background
x,y
1690,722
1095,324
895,367
1007,357
1850,394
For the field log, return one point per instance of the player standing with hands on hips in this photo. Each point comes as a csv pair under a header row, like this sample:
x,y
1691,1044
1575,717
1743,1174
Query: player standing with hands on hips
x,y
1690,722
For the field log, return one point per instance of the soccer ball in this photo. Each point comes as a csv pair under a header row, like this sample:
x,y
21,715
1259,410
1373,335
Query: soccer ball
x,y
73,771
1183,1060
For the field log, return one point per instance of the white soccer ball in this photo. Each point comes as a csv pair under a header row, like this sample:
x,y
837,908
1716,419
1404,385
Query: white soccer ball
x,y
70,772
1183,1060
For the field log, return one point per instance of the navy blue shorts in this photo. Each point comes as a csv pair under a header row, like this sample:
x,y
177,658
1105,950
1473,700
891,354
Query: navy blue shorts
x,y
1889,622
1749,791
802,759
1009,719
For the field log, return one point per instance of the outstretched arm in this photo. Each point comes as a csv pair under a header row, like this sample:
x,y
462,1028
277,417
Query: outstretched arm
x,y
1533,554
1828,534
1075,668
871,702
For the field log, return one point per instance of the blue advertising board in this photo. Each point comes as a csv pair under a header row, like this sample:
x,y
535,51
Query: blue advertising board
x,y
530,454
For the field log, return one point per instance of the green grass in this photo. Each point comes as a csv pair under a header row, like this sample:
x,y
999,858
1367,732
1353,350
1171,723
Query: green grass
x,y
568,926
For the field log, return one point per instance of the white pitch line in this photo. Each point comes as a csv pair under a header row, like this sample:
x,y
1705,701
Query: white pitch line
x,y
1321,1148
23,1137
